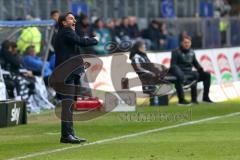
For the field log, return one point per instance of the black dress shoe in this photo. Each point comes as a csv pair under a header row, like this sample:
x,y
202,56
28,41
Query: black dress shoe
x,y
80,139
184,103
207,100
70,139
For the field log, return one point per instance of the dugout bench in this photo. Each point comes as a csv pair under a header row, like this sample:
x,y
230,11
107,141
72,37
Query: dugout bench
x,y
150,90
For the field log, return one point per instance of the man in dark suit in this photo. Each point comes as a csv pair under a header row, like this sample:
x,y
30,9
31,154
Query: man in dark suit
x,y
65,47
182,62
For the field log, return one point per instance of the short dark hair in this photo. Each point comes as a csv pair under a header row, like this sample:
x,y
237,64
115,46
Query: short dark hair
x,y
97,21
13,44
186,37
62,18
82,16
27,50
54,12
125,17
6,44
135,48
154,21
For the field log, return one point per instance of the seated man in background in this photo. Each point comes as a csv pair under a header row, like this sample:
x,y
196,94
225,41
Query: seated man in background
x,y
20,78
35,63
104,35
182,62
148,73
28,87
12,60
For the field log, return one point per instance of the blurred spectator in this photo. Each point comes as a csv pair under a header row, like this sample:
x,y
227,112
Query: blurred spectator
x,y
112,30
28,88
169,41
104,37
197,41
133,28
163,28
154,35
123,30
29,36
54,15
12,60
34,63
164,36
84,29
23,82
223,27
83,26
117,22
221,7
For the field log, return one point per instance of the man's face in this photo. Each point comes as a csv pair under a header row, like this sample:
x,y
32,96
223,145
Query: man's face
x,y
14,50
132,21
110,24
32,52
55,16
85,21
155,25
186,43
100,24
142,48
70,22
125,21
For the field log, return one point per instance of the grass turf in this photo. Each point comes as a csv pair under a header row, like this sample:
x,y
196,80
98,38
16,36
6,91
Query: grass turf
x,y
217,139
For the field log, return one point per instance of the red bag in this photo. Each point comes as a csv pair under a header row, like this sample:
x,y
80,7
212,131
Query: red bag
x,y
87,104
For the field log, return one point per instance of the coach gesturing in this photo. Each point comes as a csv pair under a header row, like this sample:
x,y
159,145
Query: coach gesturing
x,y
65,45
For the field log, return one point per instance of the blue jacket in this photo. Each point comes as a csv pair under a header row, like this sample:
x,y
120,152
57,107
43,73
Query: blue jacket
x,y
34,63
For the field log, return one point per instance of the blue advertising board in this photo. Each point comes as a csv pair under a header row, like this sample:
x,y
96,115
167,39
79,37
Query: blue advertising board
x,y
78,8
206,9
167,9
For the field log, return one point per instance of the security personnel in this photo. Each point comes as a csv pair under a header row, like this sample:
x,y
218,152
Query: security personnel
x,y
29,36
65,44
182,62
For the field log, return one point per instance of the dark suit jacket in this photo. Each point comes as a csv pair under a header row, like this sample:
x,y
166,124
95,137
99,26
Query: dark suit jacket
x,y
184,60
65,44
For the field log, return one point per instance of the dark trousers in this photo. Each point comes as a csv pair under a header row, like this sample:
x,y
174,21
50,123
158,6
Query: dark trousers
x,y
67,107
205,77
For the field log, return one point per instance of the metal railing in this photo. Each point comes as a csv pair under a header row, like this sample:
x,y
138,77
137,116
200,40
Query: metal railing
x,y
214,32
103,8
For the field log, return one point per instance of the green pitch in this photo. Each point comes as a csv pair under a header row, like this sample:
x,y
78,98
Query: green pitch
x,y
211,139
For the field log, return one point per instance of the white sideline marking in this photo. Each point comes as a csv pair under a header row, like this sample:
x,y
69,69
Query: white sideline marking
x,y
125,136
51,133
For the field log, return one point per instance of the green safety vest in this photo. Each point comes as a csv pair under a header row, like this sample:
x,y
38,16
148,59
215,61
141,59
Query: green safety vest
x,y
29,36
